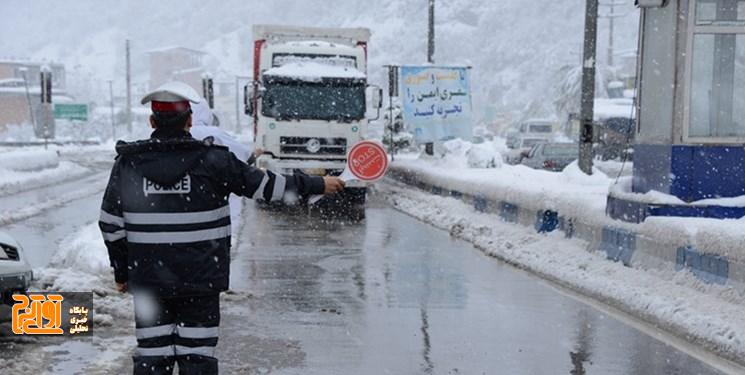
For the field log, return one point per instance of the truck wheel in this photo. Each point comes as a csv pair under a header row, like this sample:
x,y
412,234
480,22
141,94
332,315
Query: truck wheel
x,y
354,203
347,205
356,213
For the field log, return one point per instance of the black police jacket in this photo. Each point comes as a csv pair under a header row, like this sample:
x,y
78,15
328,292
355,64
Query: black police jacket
x,y
165,217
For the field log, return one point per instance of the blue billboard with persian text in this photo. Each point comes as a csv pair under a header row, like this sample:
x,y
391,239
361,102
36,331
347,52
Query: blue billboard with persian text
x,y
436,102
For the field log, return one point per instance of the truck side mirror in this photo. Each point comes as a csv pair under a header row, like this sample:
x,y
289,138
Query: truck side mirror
x,y
377,98
248,100
375,95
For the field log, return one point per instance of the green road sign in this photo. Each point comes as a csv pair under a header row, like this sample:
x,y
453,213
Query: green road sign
x,y
71,112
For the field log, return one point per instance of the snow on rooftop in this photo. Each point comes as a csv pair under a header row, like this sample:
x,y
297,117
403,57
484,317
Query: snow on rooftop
x,y
10,82
29,62
310,71
174,48
610,108
57,94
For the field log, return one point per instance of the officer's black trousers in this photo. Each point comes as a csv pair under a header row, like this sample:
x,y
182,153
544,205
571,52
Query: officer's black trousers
x,y
179,330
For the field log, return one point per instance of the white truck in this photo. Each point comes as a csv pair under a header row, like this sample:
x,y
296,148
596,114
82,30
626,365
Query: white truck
x,y
309,99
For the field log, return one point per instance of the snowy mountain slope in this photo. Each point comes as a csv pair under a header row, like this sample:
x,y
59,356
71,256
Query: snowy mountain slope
x,y
516,47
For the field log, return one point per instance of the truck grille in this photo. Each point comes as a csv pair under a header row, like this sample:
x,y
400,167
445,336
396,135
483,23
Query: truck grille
x,y
298,146
8,252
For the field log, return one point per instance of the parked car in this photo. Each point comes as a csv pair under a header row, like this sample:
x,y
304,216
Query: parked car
x,y
15,272
521,149
551,156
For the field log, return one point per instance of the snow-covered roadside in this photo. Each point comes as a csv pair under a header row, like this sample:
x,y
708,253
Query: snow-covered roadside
x,y
580,197
25,160
12,182
82,264
570,192
27,168
707,315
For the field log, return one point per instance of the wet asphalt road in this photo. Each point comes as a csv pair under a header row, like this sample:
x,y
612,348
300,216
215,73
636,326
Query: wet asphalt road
x,y
392,295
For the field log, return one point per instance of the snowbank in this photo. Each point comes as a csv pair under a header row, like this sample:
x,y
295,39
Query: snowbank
x,y
28,160
12,182
484,155
84,252
82,265
457,153
570,192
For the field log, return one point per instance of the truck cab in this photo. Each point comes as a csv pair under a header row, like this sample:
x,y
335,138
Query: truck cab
x,y
309,98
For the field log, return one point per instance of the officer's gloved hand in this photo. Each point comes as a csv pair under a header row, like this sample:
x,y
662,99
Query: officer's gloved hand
x,y
333,185
251,159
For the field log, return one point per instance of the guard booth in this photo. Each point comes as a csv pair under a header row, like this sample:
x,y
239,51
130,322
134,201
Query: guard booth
x,y
691,125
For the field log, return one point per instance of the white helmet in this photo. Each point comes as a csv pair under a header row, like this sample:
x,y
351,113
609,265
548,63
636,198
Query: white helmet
x,y
172,92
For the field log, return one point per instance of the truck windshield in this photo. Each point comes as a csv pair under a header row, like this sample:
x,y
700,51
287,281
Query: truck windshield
x,y
342,101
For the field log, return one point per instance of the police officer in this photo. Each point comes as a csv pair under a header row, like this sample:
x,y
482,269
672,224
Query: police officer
x,y
165,220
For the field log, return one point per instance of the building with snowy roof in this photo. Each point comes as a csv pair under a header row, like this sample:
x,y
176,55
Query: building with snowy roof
x,y
176,63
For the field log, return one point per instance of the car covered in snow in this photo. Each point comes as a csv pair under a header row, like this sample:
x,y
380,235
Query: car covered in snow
x,y
522,148
551,156
15,271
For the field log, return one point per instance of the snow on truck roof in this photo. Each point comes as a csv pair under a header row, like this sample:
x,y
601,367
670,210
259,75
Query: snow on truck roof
x,y
338,48
350,36
314,72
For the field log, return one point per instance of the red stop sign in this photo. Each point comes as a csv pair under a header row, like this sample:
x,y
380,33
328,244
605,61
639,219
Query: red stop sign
x,y
367,161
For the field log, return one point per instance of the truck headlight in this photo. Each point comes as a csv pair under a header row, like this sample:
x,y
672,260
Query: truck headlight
x,y
313,145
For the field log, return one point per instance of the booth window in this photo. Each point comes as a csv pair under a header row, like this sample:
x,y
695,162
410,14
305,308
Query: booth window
x,y
717,102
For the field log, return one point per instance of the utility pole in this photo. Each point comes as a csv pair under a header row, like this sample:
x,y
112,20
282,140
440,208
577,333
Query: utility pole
x,y
208,91
611,16
611,19
429,147
24,72
129,89
588,86
111,103
45,79
431,33
393,82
